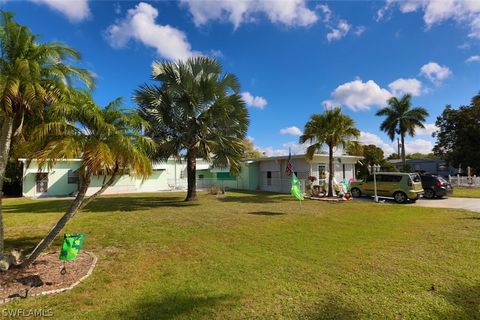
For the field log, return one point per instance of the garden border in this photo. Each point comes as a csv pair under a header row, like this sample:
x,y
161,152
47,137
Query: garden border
x,y
70,287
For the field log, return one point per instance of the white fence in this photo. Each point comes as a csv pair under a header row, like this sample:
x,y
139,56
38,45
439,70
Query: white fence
x,y
464,181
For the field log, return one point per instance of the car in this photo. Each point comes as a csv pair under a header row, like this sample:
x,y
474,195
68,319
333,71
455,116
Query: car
x,y
401,186
435,186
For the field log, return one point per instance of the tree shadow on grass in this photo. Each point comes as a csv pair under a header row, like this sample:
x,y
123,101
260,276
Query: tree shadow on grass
x,y
136,204
103,204
27,244
333,308
250,197
266,213
190,307
467,299
469,218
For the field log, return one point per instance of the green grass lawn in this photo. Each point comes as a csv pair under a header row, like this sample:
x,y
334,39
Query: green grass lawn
x,y
261,256
466,192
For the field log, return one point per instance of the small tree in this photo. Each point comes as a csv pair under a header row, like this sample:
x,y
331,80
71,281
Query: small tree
x,y
109,141
250,150
332,128
373,156
196,112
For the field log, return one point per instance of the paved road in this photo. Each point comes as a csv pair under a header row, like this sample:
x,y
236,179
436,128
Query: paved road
x,y
456,203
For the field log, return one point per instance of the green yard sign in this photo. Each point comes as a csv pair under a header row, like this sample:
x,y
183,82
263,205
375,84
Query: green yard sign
x,y
72,243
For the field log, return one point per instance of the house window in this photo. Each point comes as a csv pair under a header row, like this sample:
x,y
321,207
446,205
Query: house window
x,y
200,176
72,177
269,178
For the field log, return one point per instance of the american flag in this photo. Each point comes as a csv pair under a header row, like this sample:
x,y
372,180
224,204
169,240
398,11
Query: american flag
x,y
288,168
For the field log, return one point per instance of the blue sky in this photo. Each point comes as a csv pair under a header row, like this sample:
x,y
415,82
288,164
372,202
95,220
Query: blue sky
x,y
293,58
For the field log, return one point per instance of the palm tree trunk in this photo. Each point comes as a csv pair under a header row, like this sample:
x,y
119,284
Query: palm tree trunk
x,y
5,142
74,208
102,189
191,172
404,160
331,172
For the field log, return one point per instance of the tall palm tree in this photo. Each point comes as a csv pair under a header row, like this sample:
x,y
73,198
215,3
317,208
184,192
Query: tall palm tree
x,y
402,119
195,112
332,128
109,141
32,76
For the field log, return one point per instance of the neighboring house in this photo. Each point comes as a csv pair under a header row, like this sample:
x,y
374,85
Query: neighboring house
x,y
265,174
271,171
431,165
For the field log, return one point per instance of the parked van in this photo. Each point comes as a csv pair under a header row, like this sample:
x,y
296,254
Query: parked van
x,y
401,186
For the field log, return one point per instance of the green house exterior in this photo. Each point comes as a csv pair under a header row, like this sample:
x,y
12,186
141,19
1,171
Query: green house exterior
x,y
264,174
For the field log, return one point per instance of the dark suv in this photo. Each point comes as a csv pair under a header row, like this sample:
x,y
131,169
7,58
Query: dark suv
x,y
435,186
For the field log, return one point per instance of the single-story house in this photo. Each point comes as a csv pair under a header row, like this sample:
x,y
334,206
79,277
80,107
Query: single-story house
x,y
271,171
431,165
264,174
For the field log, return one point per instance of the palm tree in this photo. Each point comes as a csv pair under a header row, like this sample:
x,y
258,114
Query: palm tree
x,y
402,119
109,141
32,76
195,112
332,128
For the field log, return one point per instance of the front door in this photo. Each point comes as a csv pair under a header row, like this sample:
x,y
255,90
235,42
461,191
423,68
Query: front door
x,y
42,183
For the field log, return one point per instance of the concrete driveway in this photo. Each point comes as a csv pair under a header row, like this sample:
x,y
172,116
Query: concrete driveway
x,y
450,203
471,204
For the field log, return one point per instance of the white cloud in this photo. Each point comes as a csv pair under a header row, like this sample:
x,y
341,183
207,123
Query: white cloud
x,y
76,10
402,86
367,138
330,104
411,145
272,152
427,131
253,101
338,32
359,30
294,131
473,59
139,24
418,145
327,12
435,72
358,95
216,53
290,12
294,147
436,12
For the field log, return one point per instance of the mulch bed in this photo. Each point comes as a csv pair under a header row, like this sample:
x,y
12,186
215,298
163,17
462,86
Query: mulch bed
x,y
329,199
44,276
